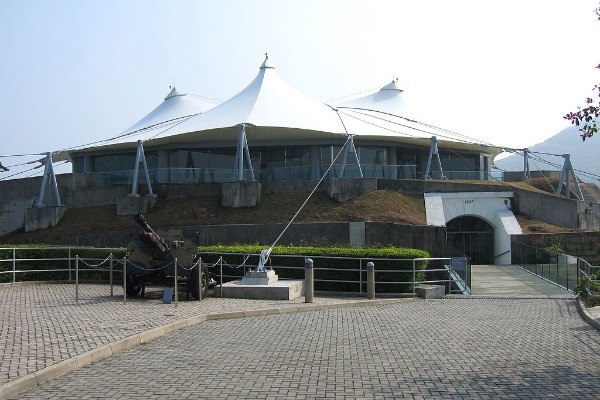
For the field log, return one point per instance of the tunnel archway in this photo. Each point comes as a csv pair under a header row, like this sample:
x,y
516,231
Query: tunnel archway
x,y
473,236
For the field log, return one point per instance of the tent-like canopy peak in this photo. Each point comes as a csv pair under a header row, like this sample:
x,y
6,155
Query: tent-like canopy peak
x,y
266,63
392,86
174,93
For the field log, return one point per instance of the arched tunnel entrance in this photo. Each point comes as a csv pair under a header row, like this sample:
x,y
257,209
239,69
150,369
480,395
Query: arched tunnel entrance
x,y
472,236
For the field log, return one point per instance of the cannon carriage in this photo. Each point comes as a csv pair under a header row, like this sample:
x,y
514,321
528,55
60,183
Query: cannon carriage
x,y
157,257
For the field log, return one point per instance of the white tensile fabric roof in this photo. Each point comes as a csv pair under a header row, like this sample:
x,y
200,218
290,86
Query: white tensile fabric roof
x,y
268,101
175,108
388,99
274,110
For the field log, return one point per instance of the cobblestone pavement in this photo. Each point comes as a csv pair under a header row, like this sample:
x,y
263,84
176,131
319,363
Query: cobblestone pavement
x,y
455,348
42,324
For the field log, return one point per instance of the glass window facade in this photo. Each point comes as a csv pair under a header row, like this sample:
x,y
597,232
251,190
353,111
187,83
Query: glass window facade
x,y
196,165
122,162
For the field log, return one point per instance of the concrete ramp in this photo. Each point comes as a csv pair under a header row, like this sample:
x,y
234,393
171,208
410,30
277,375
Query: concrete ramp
x,y
511,281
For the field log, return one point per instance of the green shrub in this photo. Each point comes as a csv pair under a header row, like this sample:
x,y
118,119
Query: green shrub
x,y
336,268
584,284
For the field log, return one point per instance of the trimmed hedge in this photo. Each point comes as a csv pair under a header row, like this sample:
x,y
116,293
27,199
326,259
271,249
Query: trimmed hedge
x,y
336,268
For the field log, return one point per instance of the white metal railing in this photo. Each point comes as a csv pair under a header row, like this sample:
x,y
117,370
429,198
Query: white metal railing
x,y
392,273
62,259
456,277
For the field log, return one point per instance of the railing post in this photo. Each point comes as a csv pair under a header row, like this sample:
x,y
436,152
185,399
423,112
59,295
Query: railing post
x,y
14,265
200,279
110,274
309,281
176,296
557,271
414,276
360,281
69,266
76,277
221,272
370,280
124,280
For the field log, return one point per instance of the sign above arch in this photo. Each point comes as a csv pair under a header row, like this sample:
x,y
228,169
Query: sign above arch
x,y
492,207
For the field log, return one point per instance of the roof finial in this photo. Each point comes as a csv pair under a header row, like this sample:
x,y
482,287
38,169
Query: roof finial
x,y
266,63
392,86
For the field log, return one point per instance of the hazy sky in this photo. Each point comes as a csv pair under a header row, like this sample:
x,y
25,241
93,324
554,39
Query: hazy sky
x,y
73,72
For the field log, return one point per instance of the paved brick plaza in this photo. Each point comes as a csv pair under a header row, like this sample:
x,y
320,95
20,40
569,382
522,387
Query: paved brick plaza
x,y
529,347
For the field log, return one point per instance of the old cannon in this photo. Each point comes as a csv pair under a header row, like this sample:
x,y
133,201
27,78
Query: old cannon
x,y
158,258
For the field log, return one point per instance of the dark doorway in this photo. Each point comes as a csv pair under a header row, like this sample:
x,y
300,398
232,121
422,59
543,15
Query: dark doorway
x,y
472,236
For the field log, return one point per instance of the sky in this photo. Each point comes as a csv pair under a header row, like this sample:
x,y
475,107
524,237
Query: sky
x,y
76,71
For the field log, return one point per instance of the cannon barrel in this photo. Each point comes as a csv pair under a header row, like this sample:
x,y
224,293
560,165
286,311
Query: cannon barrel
x,y
149,234
141,221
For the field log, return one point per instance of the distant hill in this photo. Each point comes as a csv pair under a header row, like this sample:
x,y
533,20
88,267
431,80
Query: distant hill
x,y
585,156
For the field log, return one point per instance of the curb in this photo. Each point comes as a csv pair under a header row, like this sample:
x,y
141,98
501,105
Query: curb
x,y
587,317
33,380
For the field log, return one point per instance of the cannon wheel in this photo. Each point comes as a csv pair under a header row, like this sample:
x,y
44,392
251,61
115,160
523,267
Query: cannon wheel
x,y
203,282
134,285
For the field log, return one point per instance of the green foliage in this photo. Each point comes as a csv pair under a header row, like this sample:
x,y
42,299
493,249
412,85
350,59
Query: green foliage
x,y
587,289
555,248
336,268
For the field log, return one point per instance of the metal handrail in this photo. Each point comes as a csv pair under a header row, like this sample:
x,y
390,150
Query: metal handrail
x,y
558,268
358,268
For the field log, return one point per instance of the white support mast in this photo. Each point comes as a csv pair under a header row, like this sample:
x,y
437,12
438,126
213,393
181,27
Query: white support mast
x,y
350,149
242,155
433,150
526,172
140,157
567,169
48,173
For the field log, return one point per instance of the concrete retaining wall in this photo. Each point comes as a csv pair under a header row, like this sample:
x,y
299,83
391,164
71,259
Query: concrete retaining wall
x,y
42,217
13,217
345,189
297,234
240,194
133,205
547,207
90,197
429,238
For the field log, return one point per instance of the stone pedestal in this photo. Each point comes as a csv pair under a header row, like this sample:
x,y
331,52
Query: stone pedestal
x,y
430,291
282,290
263,285
260,278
